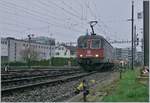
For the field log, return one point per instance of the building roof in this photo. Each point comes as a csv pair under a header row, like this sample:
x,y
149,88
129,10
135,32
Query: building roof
x,y
25,40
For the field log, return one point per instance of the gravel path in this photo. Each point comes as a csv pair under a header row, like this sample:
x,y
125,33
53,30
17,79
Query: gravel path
x,y
60,92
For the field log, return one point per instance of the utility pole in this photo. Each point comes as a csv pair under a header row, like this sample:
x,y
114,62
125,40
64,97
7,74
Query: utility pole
x,y
146,31
132,32
29,51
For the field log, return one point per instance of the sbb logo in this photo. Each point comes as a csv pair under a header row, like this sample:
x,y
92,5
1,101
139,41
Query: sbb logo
x,y
88,51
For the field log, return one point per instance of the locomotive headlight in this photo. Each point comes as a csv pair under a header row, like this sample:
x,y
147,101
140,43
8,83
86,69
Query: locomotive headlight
x,y
81,55
97,55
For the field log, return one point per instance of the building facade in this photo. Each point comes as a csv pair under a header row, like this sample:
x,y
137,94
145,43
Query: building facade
x,y
18,50
4,50
63,51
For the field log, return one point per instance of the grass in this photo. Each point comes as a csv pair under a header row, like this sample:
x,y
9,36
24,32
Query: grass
x,y
128,89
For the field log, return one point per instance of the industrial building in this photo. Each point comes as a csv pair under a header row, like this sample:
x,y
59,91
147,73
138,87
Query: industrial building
x,y
18,50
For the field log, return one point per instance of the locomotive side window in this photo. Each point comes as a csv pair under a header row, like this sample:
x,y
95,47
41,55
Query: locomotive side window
x,y
96,44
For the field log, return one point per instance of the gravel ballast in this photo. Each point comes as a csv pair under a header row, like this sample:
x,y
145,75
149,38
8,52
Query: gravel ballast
x,y
60,92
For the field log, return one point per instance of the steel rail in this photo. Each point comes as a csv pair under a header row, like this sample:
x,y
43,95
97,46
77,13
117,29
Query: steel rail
x,y
35,77
19,88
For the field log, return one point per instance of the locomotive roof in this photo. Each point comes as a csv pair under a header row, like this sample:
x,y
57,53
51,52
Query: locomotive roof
x,y
92,37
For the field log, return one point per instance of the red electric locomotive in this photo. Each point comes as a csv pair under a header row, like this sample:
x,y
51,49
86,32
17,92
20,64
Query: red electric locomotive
x,y
94,52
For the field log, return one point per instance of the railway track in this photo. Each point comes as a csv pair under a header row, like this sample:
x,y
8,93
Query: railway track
x,y
9,91
33,77
58,91
22,81
13,74
16,75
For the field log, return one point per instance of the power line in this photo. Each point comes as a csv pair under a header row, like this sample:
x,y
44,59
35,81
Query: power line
x,y
70,7
104,25
32,12
41,20
13,30
95,16
67,11
28,10
91,12
46,5
27,27
64,9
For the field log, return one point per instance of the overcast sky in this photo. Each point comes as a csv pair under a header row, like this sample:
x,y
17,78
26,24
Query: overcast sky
x,y
66,20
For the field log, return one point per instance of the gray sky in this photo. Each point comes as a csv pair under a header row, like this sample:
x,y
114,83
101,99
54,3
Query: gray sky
x,y
66,20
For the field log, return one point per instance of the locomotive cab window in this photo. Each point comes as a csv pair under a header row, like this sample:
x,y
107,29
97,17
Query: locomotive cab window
x,y
96,44
82,44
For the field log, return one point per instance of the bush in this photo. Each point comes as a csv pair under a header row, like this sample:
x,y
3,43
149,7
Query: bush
x,y
15,64
54,62
63,61
40,63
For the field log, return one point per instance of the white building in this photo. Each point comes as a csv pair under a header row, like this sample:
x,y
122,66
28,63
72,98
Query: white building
x,y
17,50
63,51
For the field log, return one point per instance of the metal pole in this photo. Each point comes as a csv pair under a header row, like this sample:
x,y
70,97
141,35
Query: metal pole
x,y
146,32
132,30
29,55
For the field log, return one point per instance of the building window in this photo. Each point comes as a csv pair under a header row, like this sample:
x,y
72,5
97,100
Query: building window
x,y
57,53
65,53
